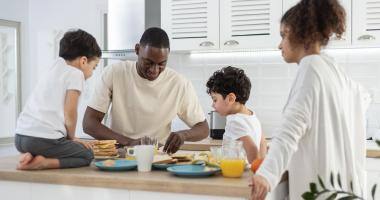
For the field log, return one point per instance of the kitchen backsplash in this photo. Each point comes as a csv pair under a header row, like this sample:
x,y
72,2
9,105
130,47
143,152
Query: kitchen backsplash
x,y
271,79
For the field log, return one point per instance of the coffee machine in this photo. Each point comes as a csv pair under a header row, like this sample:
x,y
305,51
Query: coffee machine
x,y
217,125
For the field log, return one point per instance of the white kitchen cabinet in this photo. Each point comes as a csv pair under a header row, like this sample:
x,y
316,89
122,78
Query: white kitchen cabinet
x,y
250,24
221,24
366,22
191,24
334,42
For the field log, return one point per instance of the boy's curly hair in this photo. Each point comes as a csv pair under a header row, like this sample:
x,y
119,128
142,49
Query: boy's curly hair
x,y
76,43
230,80
313,21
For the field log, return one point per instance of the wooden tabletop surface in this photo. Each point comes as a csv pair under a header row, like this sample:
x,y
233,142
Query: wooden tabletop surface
x,y
160,181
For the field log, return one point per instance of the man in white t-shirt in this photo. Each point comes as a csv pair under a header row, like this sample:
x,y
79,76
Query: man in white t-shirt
x,y
144,97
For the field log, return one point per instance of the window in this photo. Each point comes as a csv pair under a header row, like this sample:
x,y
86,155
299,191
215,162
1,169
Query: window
x,y
9,77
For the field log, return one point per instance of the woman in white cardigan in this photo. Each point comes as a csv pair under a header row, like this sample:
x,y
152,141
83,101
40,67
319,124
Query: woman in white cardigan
x,y
323,128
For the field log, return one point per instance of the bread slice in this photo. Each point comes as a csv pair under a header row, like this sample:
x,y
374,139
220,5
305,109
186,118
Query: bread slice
x,y
183,157
162,159
99,142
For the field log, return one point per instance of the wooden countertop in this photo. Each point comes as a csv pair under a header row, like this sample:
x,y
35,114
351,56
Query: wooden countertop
x,y
160,181
372,149
203,145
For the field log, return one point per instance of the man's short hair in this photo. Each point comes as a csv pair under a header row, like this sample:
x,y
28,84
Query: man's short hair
x,y
76,43
155,37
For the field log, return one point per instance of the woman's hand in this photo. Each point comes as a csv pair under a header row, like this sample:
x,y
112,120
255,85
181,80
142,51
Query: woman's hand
x,y
260,187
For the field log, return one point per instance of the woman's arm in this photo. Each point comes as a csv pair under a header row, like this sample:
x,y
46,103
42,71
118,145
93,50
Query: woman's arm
x,y
70,112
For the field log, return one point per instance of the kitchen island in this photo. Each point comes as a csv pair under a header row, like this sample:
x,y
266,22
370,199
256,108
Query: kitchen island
x,y
91,183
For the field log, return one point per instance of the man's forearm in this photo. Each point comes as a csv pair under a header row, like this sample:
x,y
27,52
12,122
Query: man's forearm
x,y
101,132
198,132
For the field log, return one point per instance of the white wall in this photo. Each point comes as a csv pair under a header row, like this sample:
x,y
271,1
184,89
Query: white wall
x,y
50,19
271,78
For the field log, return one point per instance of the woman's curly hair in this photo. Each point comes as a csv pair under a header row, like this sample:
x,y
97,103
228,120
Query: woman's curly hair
x,y
230,80
313,21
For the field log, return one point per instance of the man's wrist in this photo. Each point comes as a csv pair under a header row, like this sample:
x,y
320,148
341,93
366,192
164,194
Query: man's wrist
x,y
185,135
126,141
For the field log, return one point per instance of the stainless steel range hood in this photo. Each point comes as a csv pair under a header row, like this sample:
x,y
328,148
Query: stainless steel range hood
x,y
126,22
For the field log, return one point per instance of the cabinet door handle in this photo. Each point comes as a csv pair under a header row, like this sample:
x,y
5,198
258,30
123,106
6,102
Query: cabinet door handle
x,y
367,37
231,43
206,44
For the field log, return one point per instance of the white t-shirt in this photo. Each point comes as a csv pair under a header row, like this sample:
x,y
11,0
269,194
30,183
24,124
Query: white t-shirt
x,y
239,125
145,108
43,115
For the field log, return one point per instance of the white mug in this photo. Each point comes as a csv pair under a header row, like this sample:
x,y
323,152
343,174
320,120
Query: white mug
x,y
144,156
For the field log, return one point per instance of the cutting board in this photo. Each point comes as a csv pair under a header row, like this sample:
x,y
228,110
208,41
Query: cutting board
x,y
372,153
373,150
203,145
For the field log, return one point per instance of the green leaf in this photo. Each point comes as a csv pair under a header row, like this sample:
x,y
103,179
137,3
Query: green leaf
x,y
351,186
321,182
339,182
378,142
313,188
308,196
373,191
333,196
332,179
347,198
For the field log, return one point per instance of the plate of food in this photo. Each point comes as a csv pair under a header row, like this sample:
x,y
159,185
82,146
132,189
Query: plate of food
x,y
116,165
164,161
193,170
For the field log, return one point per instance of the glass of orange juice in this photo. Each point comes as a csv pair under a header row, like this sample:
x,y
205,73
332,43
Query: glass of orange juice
x,y
233,161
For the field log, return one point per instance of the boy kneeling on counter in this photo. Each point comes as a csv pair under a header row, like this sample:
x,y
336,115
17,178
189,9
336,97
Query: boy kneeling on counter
x,y
45,132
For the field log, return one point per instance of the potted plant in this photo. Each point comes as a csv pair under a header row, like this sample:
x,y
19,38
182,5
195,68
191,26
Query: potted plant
x,y
333,192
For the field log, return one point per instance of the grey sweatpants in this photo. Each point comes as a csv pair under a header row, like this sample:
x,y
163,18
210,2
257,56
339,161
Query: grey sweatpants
x,y
70,154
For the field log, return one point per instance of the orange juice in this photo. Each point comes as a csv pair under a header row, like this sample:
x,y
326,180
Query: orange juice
x,y
232,168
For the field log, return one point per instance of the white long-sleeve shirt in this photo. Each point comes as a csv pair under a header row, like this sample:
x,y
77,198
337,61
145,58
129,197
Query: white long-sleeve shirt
x,y
322,131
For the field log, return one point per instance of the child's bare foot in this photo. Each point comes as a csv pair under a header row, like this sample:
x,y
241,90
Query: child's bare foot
x,y
25,159
40,162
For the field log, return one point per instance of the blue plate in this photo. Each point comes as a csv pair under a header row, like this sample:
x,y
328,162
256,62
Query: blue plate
x,y
165,166
193,170
118,165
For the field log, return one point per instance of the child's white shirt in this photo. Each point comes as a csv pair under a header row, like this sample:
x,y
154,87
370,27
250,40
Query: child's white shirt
x,y
43,114
239,125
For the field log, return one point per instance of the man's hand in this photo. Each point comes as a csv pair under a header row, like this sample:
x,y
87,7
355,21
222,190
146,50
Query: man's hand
x,y
88,145
260,187
174,141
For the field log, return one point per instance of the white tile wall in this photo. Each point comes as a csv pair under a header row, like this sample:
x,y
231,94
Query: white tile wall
x,y
271,78
8,150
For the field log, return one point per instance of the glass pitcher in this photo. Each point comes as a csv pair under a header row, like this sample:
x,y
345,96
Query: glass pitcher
x,y
233,158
